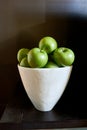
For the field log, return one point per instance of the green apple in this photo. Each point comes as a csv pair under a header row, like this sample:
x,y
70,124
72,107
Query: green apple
x,y
49,44
51,64
22,53
24,62
37,58
63,56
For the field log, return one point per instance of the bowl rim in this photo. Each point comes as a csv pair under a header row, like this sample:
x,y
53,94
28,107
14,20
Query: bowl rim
x,y
28,68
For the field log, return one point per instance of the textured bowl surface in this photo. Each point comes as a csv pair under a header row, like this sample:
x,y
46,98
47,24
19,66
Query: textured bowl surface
x,y
44,86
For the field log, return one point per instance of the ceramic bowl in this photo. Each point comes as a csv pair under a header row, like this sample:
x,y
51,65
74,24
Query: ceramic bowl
x,y
44,86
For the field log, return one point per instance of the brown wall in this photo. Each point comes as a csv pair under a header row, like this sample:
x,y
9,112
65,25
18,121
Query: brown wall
x,y
24,22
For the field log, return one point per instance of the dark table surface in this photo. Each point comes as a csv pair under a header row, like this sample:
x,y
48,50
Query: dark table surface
x,y
20,114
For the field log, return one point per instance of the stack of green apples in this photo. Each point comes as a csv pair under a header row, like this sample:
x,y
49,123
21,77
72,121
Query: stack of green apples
x,y
46,55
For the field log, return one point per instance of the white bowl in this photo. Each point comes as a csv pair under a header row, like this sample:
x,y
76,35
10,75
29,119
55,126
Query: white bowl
x,y
44,86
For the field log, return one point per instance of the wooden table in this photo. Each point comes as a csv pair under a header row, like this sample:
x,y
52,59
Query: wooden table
x,y
20,114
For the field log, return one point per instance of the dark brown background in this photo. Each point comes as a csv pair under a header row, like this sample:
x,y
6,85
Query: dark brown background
x,y
24,22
